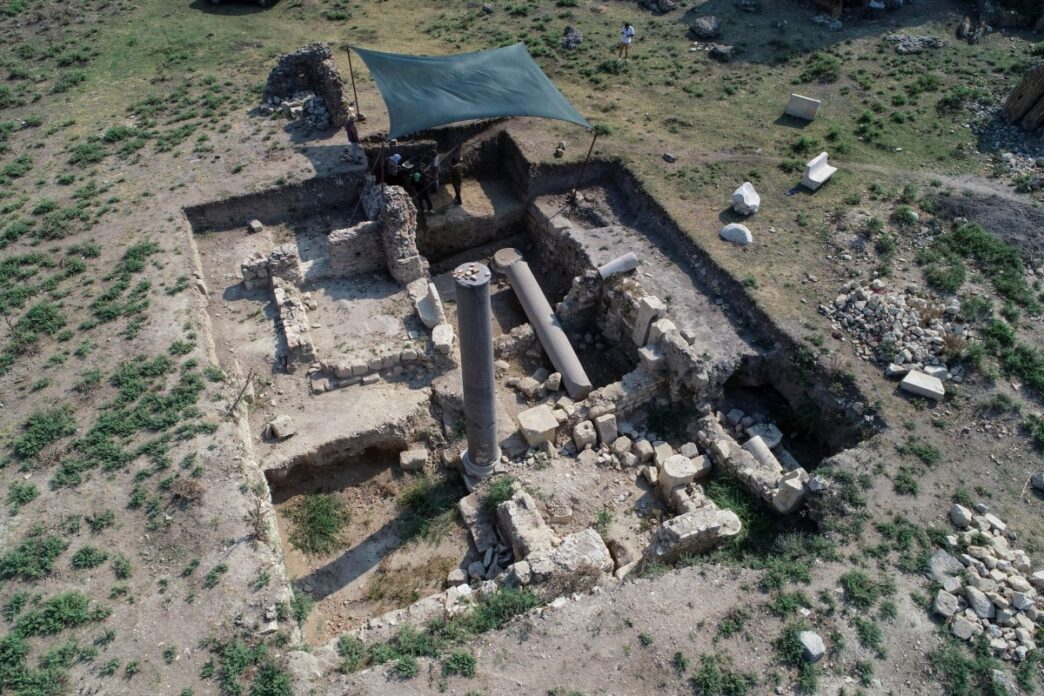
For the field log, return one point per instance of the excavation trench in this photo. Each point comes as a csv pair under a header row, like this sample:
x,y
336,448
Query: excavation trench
x,y
370,383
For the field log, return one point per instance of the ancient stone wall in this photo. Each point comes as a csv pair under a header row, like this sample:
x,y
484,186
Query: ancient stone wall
x,y
392,208
259,271
294,320
634,390
555,242
309,69
355,250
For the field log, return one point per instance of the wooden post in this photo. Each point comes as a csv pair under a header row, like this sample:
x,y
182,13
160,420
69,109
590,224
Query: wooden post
x,y
380,162
583,168
359,116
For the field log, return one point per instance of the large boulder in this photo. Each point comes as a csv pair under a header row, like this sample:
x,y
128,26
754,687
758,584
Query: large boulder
x,y
745,200
706,27
812,645
737,234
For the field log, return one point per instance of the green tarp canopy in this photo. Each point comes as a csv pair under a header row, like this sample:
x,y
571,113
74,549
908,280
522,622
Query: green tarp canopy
x,y
422,92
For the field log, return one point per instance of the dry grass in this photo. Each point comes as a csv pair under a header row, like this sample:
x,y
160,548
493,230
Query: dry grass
x,y
394,588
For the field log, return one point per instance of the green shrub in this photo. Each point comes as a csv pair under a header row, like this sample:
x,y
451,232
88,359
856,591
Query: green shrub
x,y
460,663
499,491
405,667
32,558
21,493
317,521
88,557
58,613
428,508
41,429
715,678
861,591
821,67
352,653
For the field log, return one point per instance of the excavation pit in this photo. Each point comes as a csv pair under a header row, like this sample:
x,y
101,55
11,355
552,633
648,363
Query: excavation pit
x,y
400,541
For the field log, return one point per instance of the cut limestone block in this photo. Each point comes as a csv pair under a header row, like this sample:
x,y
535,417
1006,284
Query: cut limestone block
x,y
923,385
414,459
538,425
650,309
693,532
817,172
442,337
523,526
801,107
662,452
678,470
584,435
281,427
606,427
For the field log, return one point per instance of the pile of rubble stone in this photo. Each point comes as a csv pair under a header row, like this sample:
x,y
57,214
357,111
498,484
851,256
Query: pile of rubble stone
x,y
899,328
988,587
301,105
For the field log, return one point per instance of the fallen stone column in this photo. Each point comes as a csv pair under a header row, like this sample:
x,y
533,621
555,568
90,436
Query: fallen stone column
x,y
621,264
475,325
545,323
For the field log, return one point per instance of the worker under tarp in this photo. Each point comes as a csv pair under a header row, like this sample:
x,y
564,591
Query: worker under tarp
x,y
422,92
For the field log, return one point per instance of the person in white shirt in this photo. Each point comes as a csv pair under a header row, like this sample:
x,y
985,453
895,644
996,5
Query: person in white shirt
x,y
626,37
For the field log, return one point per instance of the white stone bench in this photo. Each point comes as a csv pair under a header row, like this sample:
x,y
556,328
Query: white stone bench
x,y
817,172
801,107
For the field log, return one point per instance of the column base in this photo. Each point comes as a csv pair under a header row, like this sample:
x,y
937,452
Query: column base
x,y
473,473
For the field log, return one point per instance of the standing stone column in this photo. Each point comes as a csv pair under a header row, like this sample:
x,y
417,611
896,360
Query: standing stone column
x,y
475,326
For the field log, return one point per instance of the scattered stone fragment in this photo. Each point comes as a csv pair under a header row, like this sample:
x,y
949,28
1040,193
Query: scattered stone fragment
x,y
945,604
812,644
414,459
538,425
745,200
584,435
255,227
281,427
737,234
962,628
960,516
606,427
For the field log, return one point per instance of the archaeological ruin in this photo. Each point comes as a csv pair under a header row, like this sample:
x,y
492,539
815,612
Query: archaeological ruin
x,y
519,331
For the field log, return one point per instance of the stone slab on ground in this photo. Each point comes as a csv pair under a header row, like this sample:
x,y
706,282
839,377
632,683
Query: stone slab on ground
x,y
737,234
802,107
923,385
522,524
480,521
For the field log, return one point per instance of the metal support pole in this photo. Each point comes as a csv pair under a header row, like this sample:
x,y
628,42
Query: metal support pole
x,y
583,168
475,326
552,337
359,116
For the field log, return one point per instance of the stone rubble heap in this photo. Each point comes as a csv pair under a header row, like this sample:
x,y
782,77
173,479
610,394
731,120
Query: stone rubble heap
x,y
988,588
905,44
908,331
571,38
309,80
